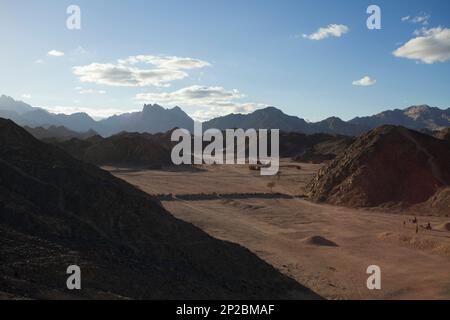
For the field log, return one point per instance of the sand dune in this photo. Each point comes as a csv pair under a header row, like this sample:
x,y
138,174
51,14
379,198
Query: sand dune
x,y
319,241
443,227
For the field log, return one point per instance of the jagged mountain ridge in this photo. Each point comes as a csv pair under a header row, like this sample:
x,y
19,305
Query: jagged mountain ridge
x,y
154,119
415,117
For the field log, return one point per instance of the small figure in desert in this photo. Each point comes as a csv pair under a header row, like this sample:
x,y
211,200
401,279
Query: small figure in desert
x,y
271,185
417,228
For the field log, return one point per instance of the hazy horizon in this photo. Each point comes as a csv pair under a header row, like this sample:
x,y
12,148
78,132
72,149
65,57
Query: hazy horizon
x,y
97,118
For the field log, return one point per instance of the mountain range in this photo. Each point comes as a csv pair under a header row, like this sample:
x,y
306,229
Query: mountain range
x,y
59,133
273,118
154,119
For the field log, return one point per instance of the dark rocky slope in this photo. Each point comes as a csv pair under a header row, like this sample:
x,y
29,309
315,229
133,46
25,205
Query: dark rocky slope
x,y
56,211
123,150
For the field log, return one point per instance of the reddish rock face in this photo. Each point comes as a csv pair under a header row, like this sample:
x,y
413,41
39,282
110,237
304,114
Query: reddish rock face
x,y
388,166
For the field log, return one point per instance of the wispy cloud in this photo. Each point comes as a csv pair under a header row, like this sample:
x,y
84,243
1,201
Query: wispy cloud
x,y
364,82
166,62
211,101
126,72
192,95
430,46
406,18
26,96
332,30
81,90
422,18
55,53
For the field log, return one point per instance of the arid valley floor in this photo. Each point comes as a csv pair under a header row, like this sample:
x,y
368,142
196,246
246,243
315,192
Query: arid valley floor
x,y
326,248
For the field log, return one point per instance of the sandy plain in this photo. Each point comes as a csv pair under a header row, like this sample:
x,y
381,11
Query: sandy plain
x,y
323,247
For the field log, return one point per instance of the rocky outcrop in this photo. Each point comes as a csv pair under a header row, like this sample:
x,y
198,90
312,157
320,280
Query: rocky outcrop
x,y
388,166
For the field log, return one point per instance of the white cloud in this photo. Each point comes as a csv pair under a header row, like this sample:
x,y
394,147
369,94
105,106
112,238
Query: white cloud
x,y
364,82
126,73
121,75
26,96
39,61
430,46
332,30
55,53
209,101
192,95
79,51
406,18
422,19
166,62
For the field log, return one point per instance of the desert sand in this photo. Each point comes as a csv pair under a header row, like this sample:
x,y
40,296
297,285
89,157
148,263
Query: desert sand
x,y
326,248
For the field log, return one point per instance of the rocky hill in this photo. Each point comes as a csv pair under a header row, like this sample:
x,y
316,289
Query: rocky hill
x,y
58,133
317,146
389,166
122,150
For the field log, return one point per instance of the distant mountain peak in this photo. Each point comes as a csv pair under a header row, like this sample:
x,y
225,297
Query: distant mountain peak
x,y
8,103
152,107
419,107
179,111
415,112
334,119
269,109
7,98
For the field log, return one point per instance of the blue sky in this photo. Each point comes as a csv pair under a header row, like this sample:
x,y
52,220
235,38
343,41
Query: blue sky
x,y
216,57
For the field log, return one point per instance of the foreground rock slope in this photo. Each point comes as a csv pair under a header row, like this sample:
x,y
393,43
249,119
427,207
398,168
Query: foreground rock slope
x,y
56,211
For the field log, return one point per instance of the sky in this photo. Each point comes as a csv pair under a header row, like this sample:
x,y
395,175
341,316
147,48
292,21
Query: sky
x,y
312,59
